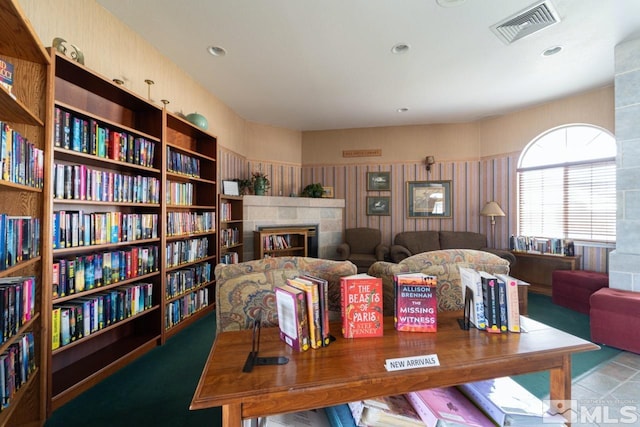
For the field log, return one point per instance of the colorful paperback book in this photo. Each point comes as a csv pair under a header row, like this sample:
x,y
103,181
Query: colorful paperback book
x,y
313,308
323,287
292,316
447,406
394,410
361,306
512,304
416,308
470,279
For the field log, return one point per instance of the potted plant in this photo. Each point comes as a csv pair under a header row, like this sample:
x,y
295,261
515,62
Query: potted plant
x,y
313,190
260,183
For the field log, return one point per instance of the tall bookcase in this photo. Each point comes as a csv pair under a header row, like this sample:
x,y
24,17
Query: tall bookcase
x,y
22,218
106,233
190,208
231,217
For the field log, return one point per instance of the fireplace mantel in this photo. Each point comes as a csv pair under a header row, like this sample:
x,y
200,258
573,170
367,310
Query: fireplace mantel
x,y
328,214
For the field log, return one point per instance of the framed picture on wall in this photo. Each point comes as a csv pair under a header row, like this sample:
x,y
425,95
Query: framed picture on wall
x,y
429,199
327,192
378,181
377,205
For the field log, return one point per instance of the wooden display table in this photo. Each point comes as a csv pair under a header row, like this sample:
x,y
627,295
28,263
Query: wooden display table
x,y
353,369
536,269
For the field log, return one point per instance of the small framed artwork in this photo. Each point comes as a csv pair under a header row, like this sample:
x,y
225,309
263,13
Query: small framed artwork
x,y
429,199
230,188
378,181
379,205
327,192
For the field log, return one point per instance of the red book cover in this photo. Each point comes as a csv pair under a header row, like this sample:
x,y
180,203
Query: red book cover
x,y
416,307
361,303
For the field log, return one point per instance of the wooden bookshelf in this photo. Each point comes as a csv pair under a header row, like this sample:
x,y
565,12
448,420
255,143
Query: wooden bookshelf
x,y
274,242
537,269
23,112
190,206
230,229
108,186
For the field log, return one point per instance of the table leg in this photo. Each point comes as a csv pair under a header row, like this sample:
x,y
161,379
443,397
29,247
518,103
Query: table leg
x,y
232,415
560,384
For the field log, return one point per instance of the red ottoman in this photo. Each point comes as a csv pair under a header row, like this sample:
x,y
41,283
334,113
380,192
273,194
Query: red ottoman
x,y
573,288
615,319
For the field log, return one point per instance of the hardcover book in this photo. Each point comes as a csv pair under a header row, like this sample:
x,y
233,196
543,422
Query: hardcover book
x,y
416,305
512,302
6,74
313,308
447,406
323,288
491,302
361,306
292,316
470,279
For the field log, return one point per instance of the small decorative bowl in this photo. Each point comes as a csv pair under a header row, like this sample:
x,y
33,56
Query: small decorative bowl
x,y
198,120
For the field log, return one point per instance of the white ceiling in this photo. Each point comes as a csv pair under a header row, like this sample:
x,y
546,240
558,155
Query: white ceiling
x,y
327,64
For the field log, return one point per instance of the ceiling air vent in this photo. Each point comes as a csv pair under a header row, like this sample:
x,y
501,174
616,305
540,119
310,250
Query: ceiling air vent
x,y
526,22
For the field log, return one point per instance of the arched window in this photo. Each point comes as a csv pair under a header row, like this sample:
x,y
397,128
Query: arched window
x,y
567,185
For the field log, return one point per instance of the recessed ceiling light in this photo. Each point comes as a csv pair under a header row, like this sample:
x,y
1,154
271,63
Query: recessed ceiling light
x,y
450,3
216,51
552,51
400,48
402,110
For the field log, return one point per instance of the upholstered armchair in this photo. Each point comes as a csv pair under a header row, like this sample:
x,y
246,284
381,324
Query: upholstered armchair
x,y
246,289
362,246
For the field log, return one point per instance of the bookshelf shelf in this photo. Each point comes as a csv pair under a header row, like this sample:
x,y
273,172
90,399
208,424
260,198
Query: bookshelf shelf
x,y
23,112
231,229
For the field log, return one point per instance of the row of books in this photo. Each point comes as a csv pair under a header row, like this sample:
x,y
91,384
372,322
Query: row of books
x,y
184,251
179,223
17,364
542,245
86,272
19,239
229,258
183,164
303,312
78,228
226,211
493,303
88,136
79,182
84,316
496,402
17,304
230,236
276,241
184,307
184,280
179,193
21,161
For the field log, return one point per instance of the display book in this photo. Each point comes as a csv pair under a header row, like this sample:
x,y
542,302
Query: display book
x,y
447,406
361,306
416,305
303,312
508,403
495,300
394,410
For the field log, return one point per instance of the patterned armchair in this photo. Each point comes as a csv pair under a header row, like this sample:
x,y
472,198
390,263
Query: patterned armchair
x,y
245,289
444,265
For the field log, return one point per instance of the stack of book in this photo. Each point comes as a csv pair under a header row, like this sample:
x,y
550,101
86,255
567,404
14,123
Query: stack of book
x,y
494,306
303,312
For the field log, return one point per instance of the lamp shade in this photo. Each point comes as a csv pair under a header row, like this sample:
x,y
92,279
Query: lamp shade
x,y
492,209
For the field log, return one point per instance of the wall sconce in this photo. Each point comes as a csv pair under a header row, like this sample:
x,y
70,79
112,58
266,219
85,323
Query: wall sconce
x,y
430,160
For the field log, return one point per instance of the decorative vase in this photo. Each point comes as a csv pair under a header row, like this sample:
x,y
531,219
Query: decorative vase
x,y
259,186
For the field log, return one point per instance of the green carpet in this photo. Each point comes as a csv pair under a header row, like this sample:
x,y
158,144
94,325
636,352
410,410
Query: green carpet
x,y
543,310
156,389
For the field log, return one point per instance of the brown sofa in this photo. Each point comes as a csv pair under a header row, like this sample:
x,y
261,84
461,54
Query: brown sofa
x,y
409,243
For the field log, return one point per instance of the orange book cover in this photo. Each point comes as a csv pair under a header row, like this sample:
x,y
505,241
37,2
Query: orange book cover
x,y
361,303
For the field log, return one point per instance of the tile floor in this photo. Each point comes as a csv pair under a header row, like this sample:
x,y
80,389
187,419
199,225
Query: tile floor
x,y
609,394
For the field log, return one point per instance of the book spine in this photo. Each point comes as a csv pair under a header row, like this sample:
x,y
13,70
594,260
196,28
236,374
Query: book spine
x,y
502,304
